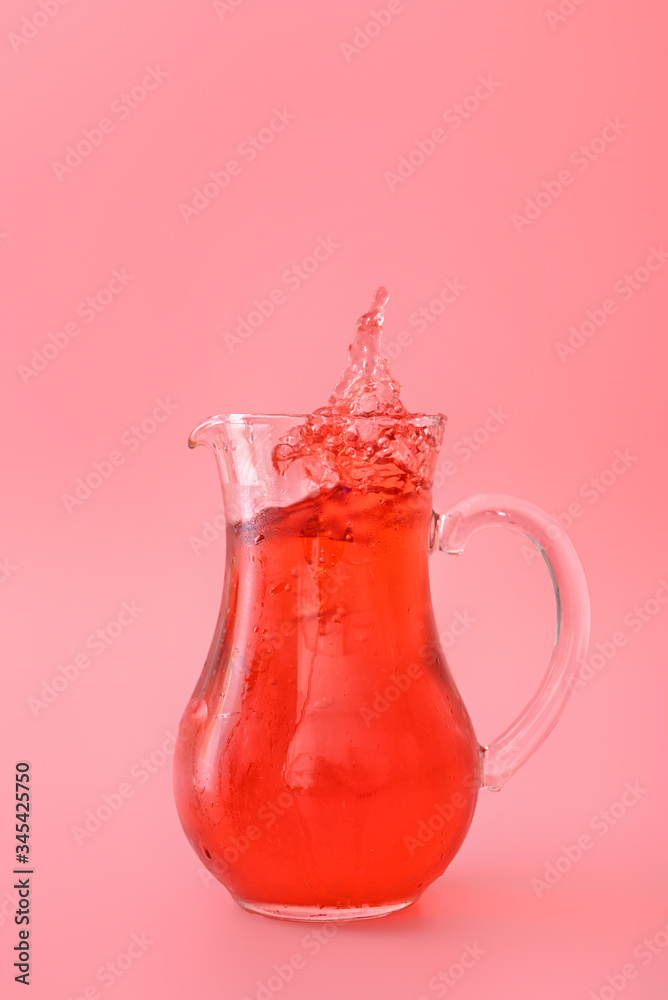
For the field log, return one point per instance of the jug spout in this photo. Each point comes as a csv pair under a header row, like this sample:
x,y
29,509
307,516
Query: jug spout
x,y
206,432
243,445
259,429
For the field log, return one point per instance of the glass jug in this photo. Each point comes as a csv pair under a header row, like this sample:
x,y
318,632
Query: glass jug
x,y
326,767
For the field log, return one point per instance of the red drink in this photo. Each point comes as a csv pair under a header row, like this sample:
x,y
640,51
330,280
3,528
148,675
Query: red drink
x,y
343,766
326,761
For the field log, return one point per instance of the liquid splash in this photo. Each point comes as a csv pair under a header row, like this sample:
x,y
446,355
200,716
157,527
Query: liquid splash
x,y
365,437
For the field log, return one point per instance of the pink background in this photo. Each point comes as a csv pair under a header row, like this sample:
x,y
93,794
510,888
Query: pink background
x,y
218,76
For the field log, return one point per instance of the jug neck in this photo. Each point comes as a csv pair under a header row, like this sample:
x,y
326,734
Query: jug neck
x,y
245,446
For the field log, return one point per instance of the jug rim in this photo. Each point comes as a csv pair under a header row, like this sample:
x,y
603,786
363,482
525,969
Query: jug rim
x,y
237,419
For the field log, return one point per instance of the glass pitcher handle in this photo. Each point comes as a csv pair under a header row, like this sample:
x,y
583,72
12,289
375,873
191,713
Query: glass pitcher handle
x,y
452,531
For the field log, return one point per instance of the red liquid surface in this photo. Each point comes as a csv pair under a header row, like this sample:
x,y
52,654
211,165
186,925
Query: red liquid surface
x,y
326,758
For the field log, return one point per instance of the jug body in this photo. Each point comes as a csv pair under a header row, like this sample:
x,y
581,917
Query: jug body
x,y
326,767
325,764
